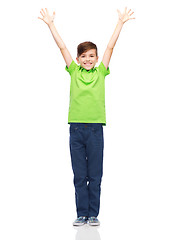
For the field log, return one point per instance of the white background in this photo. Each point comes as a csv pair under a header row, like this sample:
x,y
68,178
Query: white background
x,y
36,181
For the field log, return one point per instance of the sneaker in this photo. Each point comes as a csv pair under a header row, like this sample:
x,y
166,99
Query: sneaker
x,y
93,221
80,221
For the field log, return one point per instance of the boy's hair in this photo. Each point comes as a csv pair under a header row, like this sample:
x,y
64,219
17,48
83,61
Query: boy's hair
x,y
86,46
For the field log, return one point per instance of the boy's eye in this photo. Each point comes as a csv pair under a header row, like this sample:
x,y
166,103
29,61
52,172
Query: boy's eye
x,y
84,56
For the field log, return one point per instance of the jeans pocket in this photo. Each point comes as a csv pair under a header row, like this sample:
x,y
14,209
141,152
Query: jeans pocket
x,y
97,130
73,129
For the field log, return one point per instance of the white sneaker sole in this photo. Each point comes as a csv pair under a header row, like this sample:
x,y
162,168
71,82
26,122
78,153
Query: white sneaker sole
x,y
94,224
78,224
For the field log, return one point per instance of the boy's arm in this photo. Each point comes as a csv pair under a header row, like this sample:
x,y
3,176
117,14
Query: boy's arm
x,y
122,19
65,53
49,20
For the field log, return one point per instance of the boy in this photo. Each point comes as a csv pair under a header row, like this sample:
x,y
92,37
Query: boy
x,y
86,117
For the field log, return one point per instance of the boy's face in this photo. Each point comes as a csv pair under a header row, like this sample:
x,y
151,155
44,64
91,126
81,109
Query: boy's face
x,y
88,59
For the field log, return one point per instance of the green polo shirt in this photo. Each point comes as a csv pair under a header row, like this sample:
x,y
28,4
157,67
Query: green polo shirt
x,y
87,94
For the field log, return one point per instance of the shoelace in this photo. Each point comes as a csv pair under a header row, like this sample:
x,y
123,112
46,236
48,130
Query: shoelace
x,y
81,218
93,218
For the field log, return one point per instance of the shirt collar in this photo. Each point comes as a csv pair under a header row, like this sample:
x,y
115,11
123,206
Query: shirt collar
x,y
83,69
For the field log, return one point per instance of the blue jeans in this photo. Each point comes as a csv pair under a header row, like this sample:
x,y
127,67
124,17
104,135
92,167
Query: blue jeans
x,y
86,150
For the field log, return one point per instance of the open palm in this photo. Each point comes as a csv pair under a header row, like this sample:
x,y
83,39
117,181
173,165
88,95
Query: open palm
x,y
46,17
126,15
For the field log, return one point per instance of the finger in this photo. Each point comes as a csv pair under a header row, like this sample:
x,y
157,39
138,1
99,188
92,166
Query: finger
x,y
118,11
53,15
125,9
40,18
131,13
42,13
46,10
132,18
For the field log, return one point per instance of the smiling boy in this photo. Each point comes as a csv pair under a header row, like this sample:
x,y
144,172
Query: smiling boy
x,y
88,59
87,117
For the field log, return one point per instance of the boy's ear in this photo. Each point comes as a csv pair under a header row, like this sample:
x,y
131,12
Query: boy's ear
x,y
97,58
77,59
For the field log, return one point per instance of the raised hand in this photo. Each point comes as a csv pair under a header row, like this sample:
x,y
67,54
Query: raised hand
x,y
46,17
126,15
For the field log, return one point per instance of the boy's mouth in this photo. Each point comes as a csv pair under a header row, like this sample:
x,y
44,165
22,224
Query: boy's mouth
x,y
88,64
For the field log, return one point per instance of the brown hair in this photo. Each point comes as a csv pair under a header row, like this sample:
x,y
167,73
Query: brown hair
x,y
86,46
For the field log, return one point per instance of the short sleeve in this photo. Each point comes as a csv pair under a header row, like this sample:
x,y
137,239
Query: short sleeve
x,y
103,69
71,68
